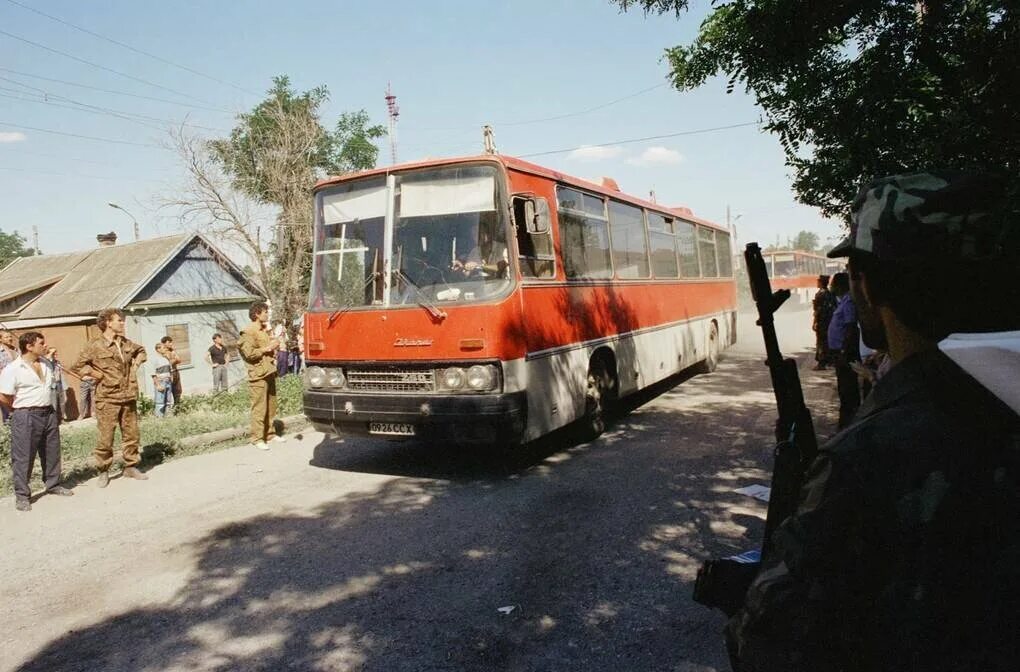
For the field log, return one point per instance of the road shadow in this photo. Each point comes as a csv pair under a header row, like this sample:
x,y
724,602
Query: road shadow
x,y
593,546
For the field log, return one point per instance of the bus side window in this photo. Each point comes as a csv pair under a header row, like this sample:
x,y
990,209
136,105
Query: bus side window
x,y
687,249
534,238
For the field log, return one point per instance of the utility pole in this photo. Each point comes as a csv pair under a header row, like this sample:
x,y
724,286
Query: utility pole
x,y
392,112
35,239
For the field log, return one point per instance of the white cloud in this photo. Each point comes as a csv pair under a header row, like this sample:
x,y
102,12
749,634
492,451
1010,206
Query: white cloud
x,y
590,153
657,156
12,137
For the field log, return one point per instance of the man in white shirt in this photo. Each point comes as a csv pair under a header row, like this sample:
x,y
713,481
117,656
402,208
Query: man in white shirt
x,y
28,387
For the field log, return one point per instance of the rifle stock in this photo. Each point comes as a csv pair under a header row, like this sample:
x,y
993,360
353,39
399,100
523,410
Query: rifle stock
x,y
723,582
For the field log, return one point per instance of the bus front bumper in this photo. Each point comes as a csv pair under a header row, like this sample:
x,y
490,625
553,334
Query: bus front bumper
x,y
462,419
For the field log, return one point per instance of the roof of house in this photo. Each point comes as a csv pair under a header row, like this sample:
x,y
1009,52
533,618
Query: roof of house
x,y
105,277
27,273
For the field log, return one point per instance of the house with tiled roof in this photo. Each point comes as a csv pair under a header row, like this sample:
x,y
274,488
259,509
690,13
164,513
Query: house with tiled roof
x,y
181,286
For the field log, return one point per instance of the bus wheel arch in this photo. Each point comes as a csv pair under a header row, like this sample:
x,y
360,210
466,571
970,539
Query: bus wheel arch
x,y
602,388
711,360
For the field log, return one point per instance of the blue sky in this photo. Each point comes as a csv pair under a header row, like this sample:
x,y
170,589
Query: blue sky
x,y
454,65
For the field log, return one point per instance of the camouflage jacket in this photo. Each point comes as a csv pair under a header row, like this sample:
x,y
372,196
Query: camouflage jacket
x,y
904,553
254,339
824,305
115,368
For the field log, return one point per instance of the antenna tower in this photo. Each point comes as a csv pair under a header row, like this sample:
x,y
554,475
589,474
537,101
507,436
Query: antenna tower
x,y
393,112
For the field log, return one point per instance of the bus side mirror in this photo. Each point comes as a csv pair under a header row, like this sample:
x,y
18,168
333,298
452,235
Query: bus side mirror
x,y
536,215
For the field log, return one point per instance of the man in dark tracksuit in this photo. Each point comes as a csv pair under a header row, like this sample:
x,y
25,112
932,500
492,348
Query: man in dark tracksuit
x,y
904,551
113,362
28,386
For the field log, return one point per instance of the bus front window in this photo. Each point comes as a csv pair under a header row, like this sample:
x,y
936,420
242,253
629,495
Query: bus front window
x,y
347,269
449,240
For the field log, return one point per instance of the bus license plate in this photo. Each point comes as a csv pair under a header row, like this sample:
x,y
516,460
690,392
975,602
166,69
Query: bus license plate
x,y
391,428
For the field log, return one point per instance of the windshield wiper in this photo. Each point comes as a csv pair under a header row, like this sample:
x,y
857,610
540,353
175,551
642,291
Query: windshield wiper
x,y
423,300
340,311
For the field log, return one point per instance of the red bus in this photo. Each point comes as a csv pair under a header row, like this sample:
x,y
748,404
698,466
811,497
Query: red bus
x,y
798,271
489,300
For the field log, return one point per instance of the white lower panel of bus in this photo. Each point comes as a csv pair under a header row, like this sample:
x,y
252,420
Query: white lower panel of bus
x,y
556,380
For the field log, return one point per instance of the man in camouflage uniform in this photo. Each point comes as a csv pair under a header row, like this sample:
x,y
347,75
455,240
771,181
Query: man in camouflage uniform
x,y
904,552
112,361
823,305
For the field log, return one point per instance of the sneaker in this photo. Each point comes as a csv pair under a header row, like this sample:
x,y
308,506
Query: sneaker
x,y
23,505
104,479
278,439
261,445
133,472
60,490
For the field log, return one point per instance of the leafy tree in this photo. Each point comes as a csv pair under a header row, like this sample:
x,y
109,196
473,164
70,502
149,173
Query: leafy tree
x,y
860,88
274,155
12,246
806,241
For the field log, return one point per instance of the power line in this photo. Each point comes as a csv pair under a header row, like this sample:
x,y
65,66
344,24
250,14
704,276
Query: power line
x,y
115,92
83,137
566,115
134,49
14,149
77,175
645,139
44,97
580,112
101,67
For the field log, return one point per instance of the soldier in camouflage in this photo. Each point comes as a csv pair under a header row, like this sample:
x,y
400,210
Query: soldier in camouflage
x,y
904,553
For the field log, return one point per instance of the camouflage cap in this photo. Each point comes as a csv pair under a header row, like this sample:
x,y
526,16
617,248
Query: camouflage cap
x,y
947,214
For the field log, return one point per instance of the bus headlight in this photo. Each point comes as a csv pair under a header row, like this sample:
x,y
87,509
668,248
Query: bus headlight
x,y
453,378
480,377
316,376
335,377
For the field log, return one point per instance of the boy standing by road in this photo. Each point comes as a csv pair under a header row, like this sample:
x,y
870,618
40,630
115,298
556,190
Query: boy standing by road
x,y
217,357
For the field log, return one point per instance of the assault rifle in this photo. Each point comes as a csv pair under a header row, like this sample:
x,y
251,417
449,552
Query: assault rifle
x,y
723,582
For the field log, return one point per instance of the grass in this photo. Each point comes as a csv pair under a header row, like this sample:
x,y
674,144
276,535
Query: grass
x,y
161,437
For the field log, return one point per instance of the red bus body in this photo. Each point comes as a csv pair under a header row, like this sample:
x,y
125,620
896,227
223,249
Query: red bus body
x,y
540,334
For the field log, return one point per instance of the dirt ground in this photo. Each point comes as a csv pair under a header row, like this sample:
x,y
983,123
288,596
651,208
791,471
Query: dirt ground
x,y
360,554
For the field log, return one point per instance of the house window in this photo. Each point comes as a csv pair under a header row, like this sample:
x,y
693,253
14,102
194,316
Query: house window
x,y
228,330
182,342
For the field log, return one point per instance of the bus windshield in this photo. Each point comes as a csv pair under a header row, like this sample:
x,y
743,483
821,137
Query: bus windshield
x,y
449,240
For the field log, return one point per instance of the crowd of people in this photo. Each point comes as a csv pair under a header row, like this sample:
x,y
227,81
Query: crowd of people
x,y
31,394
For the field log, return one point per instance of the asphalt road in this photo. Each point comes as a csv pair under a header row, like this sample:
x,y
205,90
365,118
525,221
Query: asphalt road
x,y
362,554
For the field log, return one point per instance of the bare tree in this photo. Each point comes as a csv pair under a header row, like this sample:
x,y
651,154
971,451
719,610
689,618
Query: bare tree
x,y
271,159
208,202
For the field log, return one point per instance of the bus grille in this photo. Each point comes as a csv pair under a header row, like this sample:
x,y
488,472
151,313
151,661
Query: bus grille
x,y
367,380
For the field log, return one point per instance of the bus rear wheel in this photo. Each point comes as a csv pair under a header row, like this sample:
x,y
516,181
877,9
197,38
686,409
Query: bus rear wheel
x,y
598,398
711,361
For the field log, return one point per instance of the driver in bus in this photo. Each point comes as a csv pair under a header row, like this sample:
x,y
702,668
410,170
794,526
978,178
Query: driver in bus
x,y
488,258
